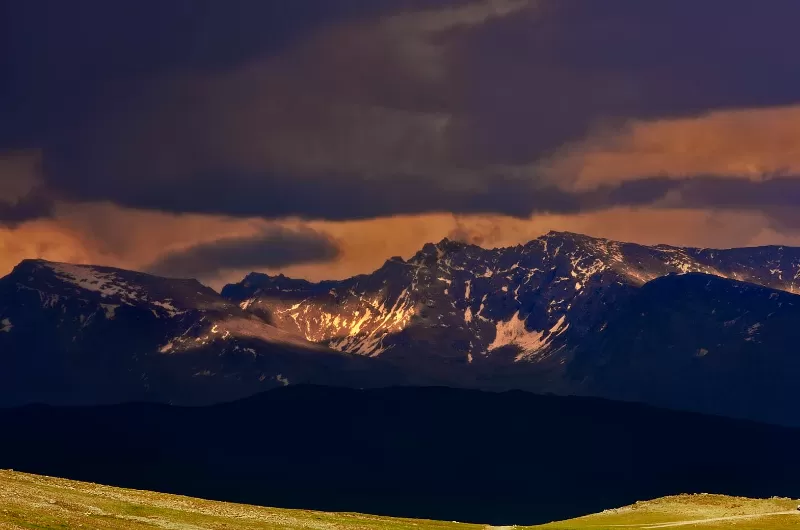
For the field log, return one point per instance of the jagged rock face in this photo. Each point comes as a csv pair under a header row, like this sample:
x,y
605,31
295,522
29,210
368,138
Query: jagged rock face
x,y
80,334
697,329
465,302
467,305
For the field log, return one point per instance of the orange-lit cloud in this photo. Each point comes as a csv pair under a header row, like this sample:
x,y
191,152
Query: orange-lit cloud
x,y
109,235
135,239
367,244
746,143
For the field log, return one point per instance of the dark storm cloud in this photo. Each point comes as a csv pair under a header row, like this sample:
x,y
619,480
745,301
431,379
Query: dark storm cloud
x,y
532,83
36,204
776,198
331,110
60,58
739,193
278,247
339,198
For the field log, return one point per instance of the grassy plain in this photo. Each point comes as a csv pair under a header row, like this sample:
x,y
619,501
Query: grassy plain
x,y
692,512
45,503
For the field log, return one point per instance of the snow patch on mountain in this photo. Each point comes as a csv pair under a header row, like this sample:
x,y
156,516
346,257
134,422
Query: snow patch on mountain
x,y
752,331
514,333
468,315
108,284
357,325
167,306
110,310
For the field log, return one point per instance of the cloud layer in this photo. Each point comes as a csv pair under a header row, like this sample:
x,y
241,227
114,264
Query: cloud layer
x,y
274,248
36,204
204,140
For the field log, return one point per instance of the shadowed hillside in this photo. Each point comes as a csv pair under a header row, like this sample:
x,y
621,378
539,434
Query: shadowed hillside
x,y
415,452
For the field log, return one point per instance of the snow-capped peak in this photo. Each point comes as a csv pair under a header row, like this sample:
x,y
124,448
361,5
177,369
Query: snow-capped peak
x,y
529,297
107,284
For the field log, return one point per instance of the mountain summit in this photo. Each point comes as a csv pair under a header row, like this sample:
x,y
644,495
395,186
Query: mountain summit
x,y
472,302
79,334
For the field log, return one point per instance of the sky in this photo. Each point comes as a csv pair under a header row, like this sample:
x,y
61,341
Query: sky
x,y
318,138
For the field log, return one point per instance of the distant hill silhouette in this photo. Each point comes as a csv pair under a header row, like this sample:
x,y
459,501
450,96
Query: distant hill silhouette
x,y
436,453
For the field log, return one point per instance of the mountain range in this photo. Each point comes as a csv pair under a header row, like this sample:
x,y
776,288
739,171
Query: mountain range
x,y
706,330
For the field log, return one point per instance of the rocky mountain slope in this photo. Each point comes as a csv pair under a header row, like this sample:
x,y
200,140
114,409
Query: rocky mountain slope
x,y
563,313
698,342
81,334
527,298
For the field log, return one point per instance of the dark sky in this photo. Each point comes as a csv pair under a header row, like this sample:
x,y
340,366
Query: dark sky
x,y
241,130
